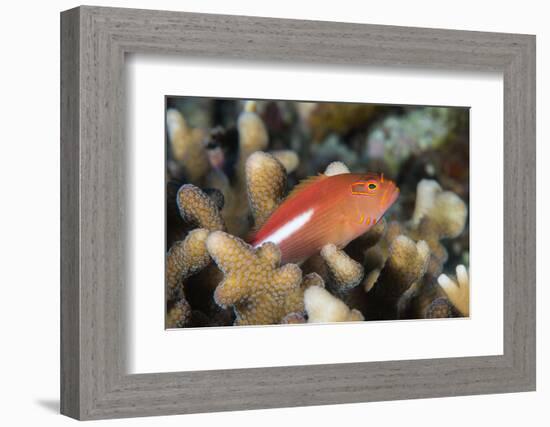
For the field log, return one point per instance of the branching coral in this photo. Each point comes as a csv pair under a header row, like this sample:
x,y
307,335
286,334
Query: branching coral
x,y
239,175
442,213
294,302
293,318
179,315
438,215
225,171
322,307
336,168
266,185
406,264
216,196
426,192
288,158
373,236
253,137
262,292
345,272
252,132
457,290
439,308
184,258
367,250
198,209
187,146
254,284
312,279
425,300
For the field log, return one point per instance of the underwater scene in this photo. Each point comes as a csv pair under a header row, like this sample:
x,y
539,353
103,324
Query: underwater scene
x,y
287,212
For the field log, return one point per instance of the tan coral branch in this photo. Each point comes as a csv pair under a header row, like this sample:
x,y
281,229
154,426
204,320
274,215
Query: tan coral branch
x,y
254,284
179,315
345,272
426,192
197,208
312,279
458,291
294,303
438,215
288,158
252,132
293,318
406,264
266,185
336,168
322,307
187,146
185,258
439,308
253,137
448,215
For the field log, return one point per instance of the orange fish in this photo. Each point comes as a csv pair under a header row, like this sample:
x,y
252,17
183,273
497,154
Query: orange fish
x,y
326,209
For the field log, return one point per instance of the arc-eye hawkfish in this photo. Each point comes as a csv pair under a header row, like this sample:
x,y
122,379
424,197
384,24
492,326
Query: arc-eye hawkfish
x,y
326,209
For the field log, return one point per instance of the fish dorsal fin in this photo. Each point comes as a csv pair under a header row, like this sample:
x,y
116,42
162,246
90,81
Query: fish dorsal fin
x,y
305,183
298,188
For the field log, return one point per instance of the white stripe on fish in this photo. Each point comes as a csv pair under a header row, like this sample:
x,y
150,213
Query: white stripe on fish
x,y
288,229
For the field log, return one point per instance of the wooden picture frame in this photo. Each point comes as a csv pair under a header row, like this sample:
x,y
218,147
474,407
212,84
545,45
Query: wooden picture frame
x,y
94,41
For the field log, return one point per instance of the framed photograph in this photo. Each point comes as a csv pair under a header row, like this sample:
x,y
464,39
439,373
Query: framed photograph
x,y
262,213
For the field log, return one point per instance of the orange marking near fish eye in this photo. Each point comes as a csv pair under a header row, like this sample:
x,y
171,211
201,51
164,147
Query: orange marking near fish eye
x,y
381,178
374,221
369,188
368,221
382,201
357,188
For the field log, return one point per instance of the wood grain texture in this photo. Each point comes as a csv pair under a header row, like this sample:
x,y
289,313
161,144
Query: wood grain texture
x,y
70,292
94,382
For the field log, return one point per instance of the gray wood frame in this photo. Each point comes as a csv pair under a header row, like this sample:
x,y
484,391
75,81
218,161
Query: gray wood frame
x,y
94,41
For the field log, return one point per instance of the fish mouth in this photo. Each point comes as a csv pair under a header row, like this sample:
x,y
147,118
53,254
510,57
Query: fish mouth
x,y
389,197
393,196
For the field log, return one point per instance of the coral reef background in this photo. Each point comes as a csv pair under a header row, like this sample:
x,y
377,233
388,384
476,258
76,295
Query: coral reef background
x,y
230,163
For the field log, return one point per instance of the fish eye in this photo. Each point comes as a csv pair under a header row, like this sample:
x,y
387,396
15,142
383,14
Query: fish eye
x,y
371,186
